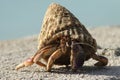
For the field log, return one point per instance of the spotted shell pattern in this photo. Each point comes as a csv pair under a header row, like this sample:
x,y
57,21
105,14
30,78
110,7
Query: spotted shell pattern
x,y
59,22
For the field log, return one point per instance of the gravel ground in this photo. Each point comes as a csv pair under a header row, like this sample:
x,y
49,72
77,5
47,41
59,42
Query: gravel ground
x,y
13,52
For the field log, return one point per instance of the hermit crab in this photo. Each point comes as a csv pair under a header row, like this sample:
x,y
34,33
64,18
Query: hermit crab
x,y
63,40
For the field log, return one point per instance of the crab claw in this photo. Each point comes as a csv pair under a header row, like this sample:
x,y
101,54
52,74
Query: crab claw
x,y
26,63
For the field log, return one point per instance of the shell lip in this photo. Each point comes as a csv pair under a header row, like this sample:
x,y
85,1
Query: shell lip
x,y
87,45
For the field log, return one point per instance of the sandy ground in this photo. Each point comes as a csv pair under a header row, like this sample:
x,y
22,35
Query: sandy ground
x,y
12,52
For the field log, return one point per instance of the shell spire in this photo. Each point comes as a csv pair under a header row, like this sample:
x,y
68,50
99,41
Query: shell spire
x,y
59,21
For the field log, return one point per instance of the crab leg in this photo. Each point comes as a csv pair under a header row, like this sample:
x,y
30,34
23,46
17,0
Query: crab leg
x,y
26,63
35,58
48,50
43,49
102,61
52,58
29,62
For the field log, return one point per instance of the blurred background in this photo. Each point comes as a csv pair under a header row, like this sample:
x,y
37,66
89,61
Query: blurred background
x,y
20,18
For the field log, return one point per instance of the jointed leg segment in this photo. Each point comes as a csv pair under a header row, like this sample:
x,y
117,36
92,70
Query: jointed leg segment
x,y
102,60
35,58
52,58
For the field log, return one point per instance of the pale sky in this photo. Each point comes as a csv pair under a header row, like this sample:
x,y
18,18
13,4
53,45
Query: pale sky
x,y
20,18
